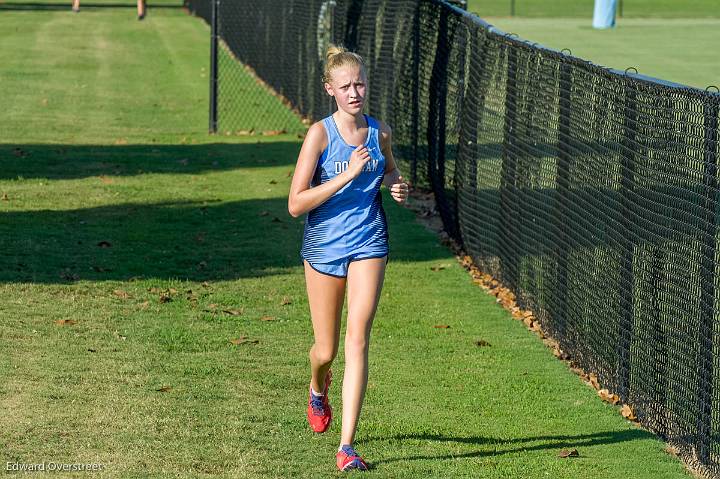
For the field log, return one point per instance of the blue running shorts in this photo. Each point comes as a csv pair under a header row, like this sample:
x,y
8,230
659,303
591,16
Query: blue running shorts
x,y
339,267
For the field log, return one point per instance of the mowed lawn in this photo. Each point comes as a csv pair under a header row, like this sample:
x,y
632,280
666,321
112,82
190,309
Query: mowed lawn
x,y
134,248
584,8
667,39
680,50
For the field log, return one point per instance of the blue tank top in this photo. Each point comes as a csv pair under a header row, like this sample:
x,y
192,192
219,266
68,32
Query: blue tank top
x,y
351,221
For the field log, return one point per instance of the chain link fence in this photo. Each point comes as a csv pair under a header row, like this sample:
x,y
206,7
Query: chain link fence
x,y
590,193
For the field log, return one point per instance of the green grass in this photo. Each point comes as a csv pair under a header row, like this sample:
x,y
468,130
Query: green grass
x,y
677,50
244,103
114,197
666,39
584,8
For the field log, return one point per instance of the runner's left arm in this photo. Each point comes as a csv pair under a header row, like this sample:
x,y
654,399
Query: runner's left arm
x,y
392,179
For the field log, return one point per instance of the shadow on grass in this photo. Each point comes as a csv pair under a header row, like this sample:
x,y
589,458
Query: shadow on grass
x,y
61,162
544,442
22,6
197,241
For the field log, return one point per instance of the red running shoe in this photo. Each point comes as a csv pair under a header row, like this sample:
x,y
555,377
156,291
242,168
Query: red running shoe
x,y
348,459
319,412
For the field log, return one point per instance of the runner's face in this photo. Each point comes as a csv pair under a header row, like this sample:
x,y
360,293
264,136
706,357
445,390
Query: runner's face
x,y
348,86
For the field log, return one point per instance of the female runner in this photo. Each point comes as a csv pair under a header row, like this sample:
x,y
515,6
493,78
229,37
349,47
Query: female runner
x,y
344,160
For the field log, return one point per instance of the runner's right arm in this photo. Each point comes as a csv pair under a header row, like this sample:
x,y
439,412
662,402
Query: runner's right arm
x,y
303,197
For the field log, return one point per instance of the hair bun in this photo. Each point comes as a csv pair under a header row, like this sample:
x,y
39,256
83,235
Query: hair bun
x,y
333,50
338,56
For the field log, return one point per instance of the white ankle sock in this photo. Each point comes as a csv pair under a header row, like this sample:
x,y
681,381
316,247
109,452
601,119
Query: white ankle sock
x,y
315,393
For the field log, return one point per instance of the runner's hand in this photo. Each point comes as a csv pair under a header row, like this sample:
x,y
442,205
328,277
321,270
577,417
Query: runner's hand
x,y
358,159
399,190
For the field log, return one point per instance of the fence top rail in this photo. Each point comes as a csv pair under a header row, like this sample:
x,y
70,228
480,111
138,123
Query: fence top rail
x,y
511,37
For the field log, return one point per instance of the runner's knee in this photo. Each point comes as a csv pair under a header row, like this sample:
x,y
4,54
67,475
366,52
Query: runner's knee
x,y
355,343
323,354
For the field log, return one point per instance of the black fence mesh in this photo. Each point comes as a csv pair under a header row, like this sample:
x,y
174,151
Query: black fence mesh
x,y
590,193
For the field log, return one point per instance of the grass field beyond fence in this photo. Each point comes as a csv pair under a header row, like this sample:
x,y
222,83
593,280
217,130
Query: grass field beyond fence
x,y
134,248
677,50
584,8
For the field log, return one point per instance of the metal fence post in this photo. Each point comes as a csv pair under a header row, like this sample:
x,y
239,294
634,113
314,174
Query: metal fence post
x,y
436,109
563,192
437,113
213,65
508,175
707,302
626,283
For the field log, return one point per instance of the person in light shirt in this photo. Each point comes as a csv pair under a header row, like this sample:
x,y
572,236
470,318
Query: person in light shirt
x,y
141,7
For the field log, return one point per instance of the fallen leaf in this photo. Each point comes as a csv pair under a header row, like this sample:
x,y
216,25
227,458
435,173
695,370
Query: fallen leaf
x,y
560,354
481,343
164,298
606,396
233,312
285,301
245,132
104,244
569,453
65,322
273,132
121,141
144,305
5,197
244,340
164,389
121,294
106,179
594,381
441,326
267,318
172,291
628,413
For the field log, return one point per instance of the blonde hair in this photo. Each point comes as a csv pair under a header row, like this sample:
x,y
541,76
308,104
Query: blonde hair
x,y
337,57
